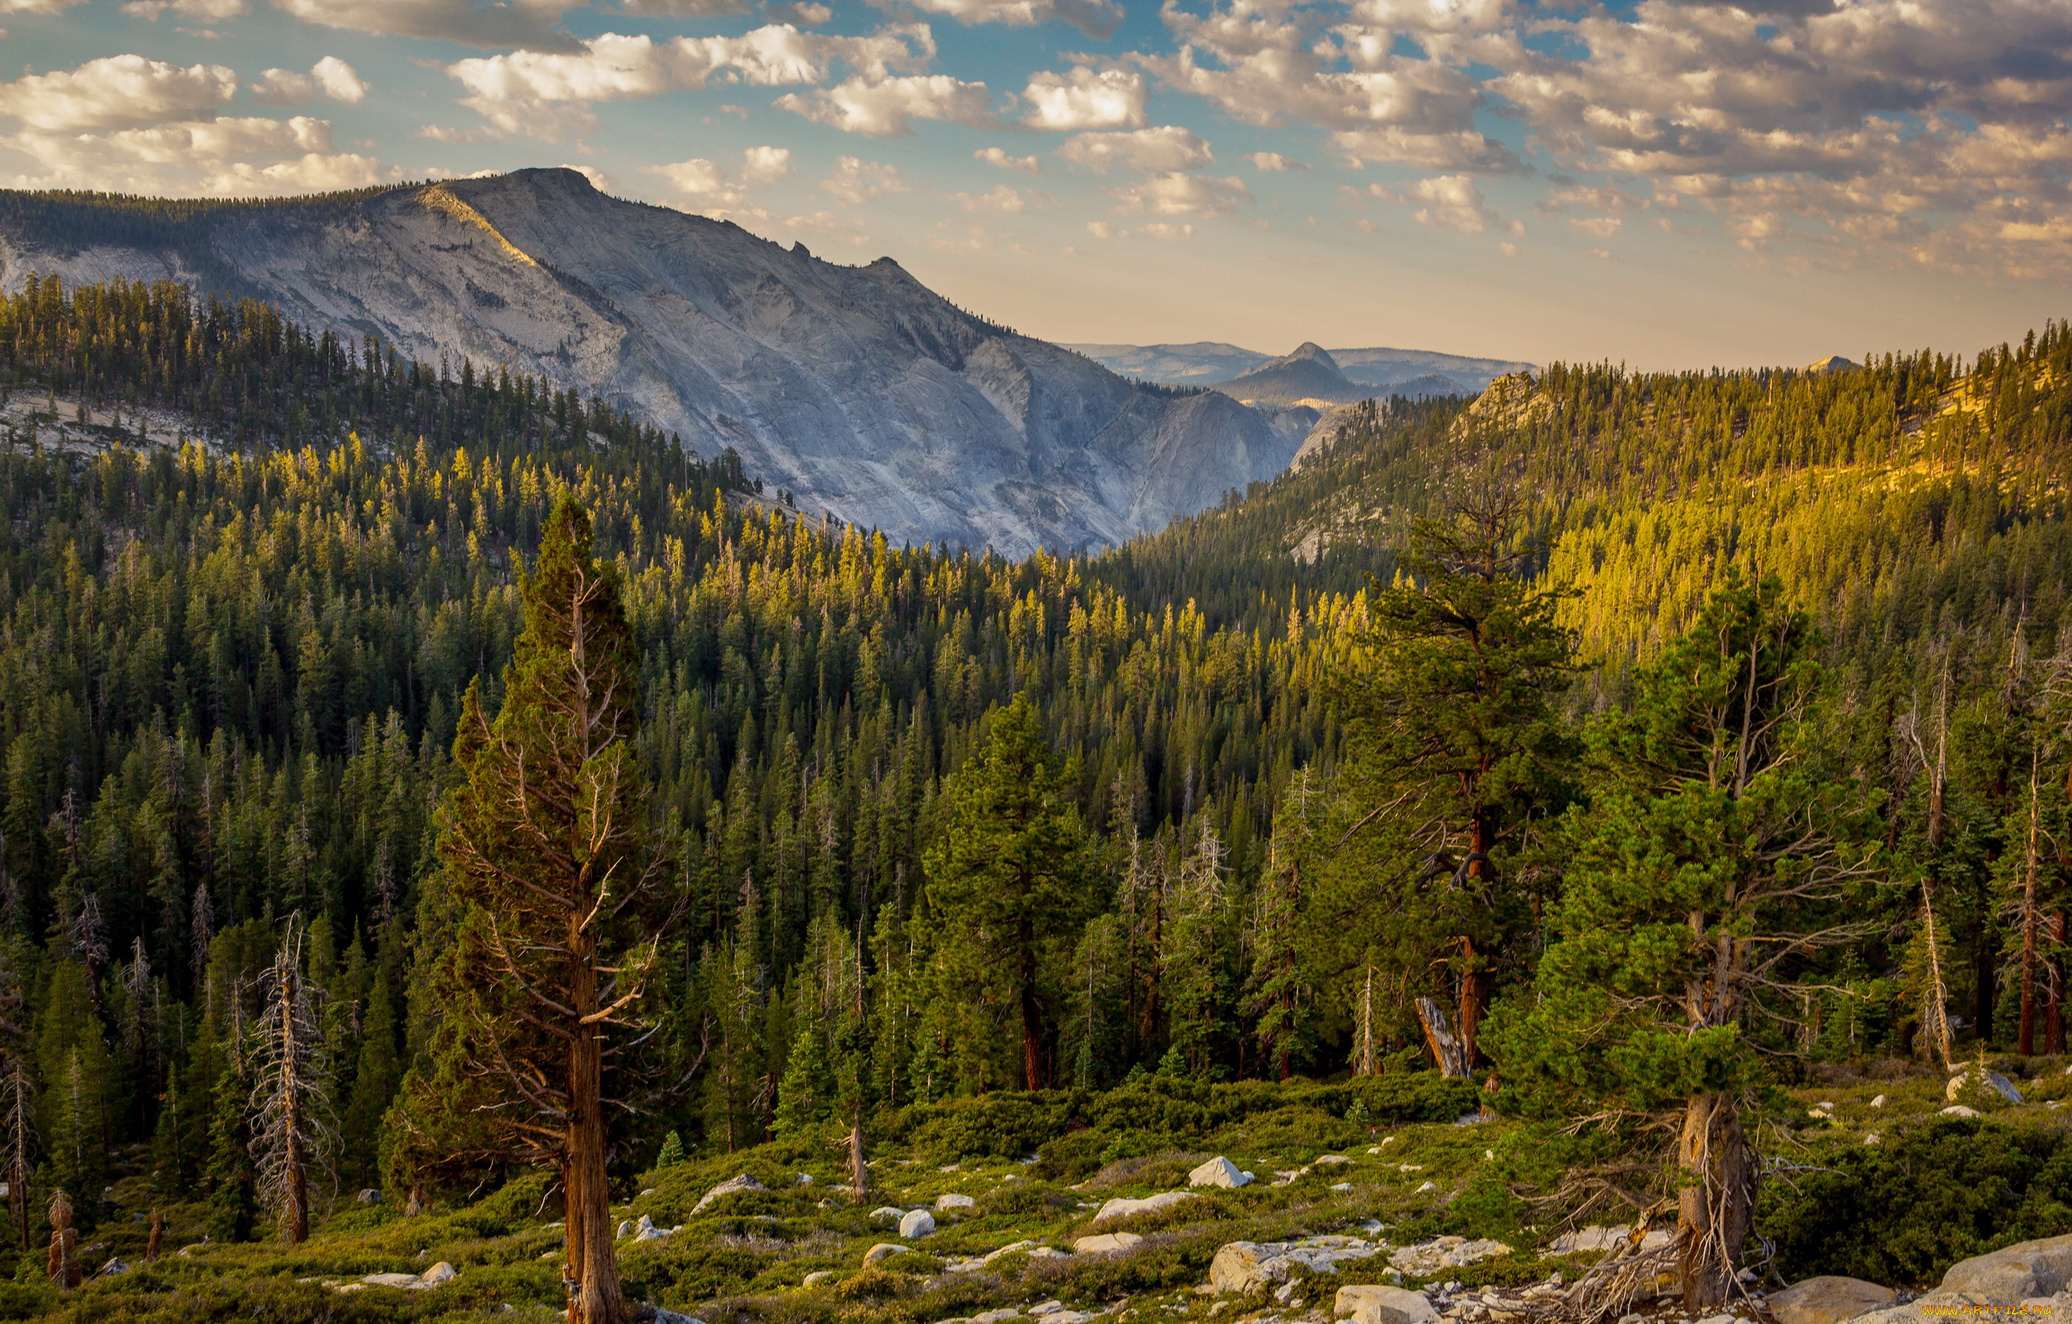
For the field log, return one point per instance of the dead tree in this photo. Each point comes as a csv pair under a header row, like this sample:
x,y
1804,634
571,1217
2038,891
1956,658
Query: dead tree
x,y
63,1264
293,1130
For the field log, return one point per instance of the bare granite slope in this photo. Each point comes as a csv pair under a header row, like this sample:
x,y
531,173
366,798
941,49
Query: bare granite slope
x,y
856,388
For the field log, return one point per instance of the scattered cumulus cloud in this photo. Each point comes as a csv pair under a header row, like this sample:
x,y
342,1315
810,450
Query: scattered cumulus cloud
x,y
1160,150
886,107
330,77
723,191
1085,99
1095,18
1180,194
1273,163
856,181
998,156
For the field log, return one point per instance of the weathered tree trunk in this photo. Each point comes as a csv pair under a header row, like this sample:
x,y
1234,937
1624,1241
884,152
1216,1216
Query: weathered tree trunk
x,y
859,1162
2054,989
1716,1205
2031,921
594,1295
297,1176
62,1266
1450,1053
157,1236
1032,1009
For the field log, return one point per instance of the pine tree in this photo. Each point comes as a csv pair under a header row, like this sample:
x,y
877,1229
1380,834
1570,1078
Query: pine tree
x,y
544,845
1006,878
1713,864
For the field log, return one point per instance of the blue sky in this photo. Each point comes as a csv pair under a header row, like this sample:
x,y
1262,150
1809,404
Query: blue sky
x,y
1662,183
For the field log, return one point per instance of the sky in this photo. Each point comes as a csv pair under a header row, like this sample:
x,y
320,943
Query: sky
x,y
1669,183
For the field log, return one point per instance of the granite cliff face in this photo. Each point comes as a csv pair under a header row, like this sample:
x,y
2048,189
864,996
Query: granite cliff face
x,y
856,388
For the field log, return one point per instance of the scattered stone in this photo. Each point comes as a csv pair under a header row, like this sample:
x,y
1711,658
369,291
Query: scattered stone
x,y
1596,1239
1000,1316
731,1186
1042,1308
1429,1257
1959,1110
369,1196
805,1179
645,1230
1327,1160
111,1268
1242,1266
917,1223
1219,1171
1108,1243
954,1201
442,1272
817,1277
1973,1078
661,1316
1878,1102
883,1250
1827,1300
1150,1204
1342,1186
1872,1138
1376,1304
886,1215
625,1229
1428,1186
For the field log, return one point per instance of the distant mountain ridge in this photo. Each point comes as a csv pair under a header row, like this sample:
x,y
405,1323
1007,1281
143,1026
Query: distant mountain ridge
x,y
1368,372
857,389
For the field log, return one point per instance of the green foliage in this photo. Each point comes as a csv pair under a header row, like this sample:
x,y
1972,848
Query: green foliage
x,y
1906,1209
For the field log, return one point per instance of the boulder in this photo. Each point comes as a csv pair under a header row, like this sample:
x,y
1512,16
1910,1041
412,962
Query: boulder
x,y
1429,1257
1329,1160
645,1230
1242,1266
389,1279
1827,1300
883,1250
1988,1284
1375,1304
1595,1240
916,1223
1959,1110
442,1272
1973,1078
817,1277
731,1186
111,1268
1218,1171
953,1201
1108,1243
369,1196
887,1216
1150,1204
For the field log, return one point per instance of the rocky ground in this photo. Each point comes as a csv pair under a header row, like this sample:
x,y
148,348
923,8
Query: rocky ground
x,y
1408,1223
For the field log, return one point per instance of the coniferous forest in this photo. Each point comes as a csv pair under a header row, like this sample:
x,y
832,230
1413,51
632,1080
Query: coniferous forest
x,y
417,778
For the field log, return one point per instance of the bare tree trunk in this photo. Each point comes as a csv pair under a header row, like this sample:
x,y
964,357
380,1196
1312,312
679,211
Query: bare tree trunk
x,y
594,1295
2031,920
63,1263
859,1163
1716,1206
1450,1053
297,1177
157,1236
2054,989
1935,1016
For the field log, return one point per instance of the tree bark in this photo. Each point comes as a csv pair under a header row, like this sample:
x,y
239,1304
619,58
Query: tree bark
x,y
1450,1053
594,1295
1716,1206
859,1163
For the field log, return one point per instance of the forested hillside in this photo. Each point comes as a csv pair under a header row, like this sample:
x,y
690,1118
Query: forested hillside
x,y
932,824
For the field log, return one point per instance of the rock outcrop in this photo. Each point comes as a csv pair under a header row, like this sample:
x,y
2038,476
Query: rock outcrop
x,y
2033,1272
1827,1300
1242,1266
731,1186
857,389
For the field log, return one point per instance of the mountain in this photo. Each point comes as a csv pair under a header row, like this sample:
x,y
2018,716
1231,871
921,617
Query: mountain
x,y
1309,373
1392,371
857,389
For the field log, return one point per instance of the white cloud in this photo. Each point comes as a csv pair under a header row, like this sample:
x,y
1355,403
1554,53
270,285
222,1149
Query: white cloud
x,y
715,190
1160,150
997,156
546,93
1003,200
526,23
1449,202
1153,230
332,76
856,182
223,156
1085,99
1095,18
804,13
115,91
203,9
1179,194
1603,227
689,8
1273,163
883,107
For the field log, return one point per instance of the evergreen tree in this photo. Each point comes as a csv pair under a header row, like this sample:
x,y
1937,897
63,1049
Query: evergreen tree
x,y
1712,866
1006,879
544,845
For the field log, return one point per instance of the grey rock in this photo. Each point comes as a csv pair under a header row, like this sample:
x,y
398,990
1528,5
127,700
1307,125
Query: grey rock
x,y
369,1196
111,1268
1120,1208
1959,1110
817,1277
1108,1243
1221,1172
887,1216
1827,1300
883,1250
1986,1284
645,1230
442,1272
1429,1257
1371,1303
1243,1266
943,1203
1973,1079
856,388
916,1223
731,1186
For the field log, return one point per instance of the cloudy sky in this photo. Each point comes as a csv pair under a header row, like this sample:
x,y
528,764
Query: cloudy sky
x,y
1667,183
